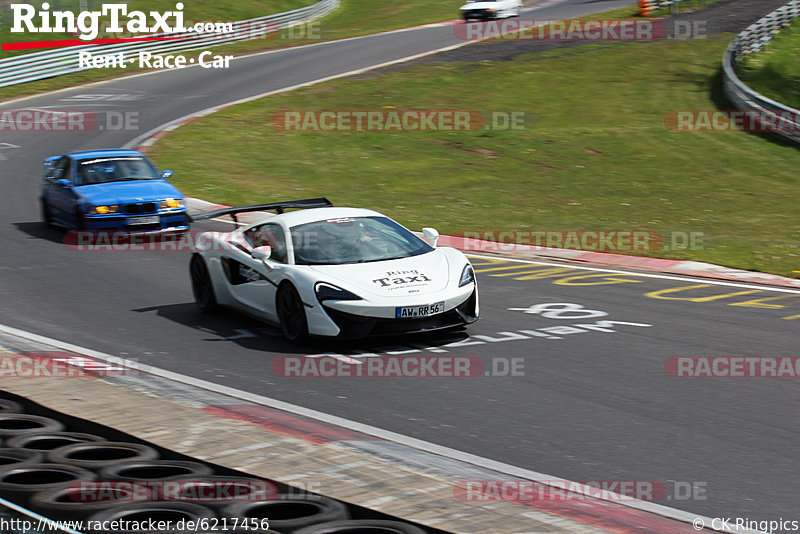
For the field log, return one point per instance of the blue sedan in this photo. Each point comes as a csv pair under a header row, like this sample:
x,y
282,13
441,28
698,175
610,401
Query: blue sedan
x,y
110,190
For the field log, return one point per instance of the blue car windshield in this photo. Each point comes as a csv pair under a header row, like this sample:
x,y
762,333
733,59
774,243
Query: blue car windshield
x,y
115,169
354,240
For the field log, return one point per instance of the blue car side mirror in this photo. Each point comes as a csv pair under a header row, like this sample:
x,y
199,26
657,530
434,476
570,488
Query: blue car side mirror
x,y
166,174
65,183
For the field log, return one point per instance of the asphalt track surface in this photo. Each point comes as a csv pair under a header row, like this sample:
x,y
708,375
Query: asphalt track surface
x,y
592,403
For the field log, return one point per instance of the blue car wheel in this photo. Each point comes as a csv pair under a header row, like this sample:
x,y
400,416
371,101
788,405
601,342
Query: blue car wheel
x,y
47,217
80,222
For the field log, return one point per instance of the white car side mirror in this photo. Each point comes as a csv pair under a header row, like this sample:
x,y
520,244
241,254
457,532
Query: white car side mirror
x,y
431,236
262,253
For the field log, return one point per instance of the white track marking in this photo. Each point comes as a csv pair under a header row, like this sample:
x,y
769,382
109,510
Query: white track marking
x,y
646,275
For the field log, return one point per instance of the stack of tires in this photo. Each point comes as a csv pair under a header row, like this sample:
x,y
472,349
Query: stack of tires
x,y
63,474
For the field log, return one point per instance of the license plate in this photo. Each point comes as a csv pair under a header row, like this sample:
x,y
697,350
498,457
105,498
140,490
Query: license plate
x,y
414,312
149,219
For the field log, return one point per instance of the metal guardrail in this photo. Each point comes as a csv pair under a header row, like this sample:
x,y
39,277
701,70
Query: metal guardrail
x,y
753,39
40,65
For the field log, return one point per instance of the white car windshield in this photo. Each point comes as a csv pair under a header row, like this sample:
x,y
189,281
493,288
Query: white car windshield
x,y
354,240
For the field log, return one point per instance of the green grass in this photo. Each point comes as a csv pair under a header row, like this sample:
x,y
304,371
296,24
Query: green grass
x,y
595,153
353,18
775,71
685,5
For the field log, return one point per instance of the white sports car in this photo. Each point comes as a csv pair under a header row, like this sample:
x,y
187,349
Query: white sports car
x,y
326,271
490,9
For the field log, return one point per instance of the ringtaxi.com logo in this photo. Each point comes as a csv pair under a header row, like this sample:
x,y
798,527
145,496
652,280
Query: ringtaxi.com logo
x,y
88,23
397,120
35,120
394,367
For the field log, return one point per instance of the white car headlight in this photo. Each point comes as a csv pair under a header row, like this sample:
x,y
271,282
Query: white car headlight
x,y
325,291
467,276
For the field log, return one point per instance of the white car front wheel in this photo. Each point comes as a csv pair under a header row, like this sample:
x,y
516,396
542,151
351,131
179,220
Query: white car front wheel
x,y
291,312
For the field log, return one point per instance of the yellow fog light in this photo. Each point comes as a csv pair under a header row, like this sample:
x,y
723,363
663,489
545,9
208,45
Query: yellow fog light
x,y
103,210
171,203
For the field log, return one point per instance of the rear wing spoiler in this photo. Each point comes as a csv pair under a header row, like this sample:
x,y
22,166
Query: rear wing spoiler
x,y
276,206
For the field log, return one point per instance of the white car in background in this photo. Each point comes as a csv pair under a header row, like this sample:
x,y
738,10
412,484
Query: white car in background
x,y
490,9
326,271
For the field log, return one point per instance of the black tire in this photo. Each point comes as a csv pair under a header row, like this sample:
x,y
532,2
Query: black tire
x,y
9,406
47,217
291,313
80,222
83,498
16,424
47,441
288,515
103,454
19,482
362,526
202,286
155,470
11,456
157,511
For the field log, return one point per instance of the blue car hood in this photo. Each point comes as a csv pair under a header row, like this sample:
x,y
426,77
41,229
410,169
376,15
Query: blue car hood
x,y
127,192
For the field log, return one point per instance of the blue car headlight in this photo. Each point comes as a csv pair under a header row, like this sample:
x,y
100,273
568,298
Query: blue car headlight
x,y
172,203
467,276
103,210
325,291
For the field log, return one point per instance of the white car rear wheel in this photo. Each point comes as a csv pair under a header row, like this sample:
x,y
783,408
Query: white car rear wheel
x,y
202,287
